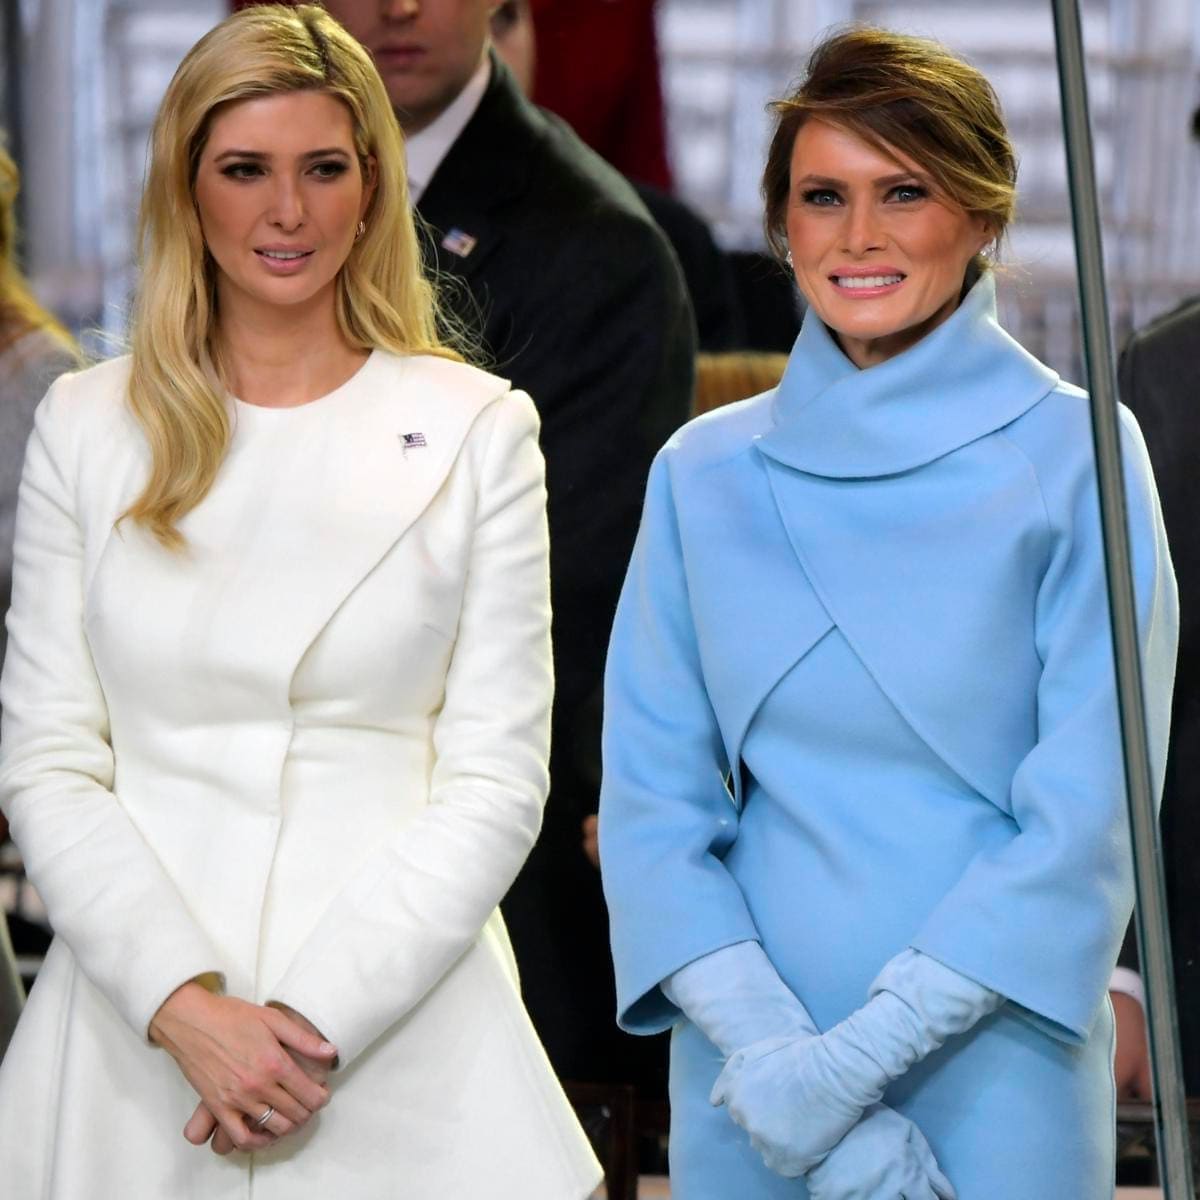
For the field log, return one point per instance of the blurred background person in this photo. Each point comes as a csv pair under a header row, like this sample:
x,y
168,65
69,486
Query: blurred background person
x,y
1160,382
706,268
583,306
34,350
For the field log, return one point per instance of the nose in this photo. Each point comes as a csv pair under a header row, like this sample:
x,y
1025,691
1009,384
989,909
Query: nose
x,y
399,10
287,204
863,229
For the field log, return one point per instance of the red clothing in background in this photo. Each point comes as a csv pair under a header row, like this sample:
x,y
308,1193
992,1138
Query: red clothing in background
x,y
597,67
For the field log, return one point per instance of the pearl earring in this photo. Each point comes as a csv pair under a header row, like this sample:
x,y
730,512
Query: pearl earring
x,y
362,228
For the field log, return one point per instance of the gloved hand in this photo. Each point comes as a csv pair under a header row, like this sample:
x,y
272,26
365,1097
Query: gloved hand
x,y
736,998
787,1094
797,1097
884,1156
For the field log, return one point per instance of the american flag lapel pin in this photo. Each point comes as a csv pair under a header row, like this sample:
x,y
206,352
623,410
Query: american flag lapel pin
x,y
411,441
459,242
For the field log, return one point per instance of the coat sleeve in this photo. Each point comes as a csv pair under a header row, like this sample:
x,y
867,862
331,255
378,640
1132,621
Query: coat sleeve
x,y
666,814
1041,917
106,893
418,904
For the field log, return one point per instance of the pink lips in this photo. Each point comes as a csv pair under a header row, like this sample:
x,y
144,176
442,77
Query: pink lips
x,y
284,266
864,290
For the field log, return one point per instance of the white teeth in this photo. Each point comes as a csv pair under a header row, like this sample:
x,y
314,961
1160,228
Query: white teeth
x,y
284,254
866,281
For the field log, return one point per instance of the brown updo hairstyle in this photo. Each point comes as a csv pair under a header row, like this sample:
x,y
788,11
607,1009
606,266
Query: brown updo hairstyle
x,y
902,93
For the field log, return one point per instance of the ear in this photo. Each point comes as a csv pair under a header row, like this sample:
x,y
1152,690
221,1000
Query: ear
x,y
986,232
370,183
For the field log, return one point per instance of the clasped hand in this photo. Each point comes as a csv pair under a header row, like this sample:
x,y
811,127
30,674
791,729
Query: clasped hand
x,y
243,1059
804,1117
786,1095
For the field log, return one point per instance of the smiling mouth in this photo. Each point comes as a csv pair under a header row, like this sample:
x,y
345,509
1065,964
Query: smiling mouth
x,y
866,281
283,255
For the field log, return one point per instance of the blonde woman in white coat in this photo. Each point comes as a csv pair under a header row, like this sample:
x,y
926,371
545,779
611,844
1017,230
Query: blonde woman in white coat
x,y
276,705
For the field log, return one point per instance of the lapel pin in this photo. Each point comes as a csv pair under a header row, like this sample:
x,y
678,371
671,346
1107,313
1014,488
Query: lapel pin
x,y
459,242
412,441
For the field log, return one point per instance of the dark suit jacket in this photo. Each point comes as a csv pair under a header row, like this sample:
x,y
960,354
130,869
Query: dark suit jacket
x,y
583,306
706,271
1160,381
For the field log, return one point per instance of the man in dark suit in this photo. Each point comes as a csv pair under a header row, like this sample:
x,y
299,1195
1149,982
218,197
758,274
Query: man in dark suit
x,y
582,305
1160,381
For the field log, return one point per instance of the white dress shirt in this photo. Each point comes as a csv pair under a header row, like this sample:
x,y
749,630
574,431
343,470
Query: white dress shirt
x,y
426,149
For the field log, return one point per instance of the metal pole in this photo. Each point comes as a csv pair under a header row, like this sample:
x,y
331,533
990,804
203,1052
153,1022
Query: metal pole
x,y
1170,1109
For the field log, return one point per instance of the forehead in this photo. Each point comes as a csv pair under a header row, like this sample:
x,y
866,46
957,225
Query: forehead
x,y
823,148
282,123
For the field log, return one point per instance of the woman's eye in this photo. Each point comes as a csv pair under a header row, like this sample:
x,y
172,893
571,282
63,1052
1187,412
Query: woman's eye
x,y
242,170
329,170
821,197
906,193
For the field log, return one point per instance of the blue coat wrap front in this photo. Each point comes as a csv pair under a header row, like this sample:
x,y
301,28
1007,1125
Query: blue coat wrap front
x,y
922,536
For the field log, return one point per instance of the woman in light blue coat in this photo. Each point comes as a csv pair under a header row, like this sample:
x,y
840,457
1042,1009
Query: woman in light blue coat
x,y
863,828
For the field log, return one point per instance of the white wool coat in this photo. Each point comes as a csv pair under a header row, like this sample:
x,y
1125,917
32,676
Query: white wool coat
x,y
307,752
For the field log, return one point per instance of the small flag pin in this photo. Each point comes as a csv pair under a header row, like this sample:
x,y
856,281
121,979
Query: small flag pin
x,y
459,242
412,440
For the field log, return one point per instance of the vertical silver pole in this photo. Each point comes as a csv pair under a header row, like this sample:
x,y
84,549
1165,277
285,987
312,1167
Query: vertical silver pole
x,y
1170,1109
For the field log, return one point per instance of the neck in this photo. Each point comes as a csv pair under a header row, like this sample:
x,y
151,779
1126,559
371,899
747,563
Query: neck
x,y
281,357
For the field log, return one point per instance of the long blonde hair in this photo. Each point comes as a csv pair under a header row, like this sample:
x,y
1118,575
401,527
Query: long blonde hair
x,y
176,389
19,310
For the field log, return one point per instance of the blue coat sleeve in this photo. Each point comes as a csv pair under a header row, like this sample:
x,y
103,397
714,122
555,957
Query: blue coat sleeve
x,y
666,814
1040,919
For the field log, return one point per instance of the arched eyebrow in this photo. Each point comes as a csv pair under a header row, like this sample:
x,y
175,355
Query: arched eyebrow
x,y
262,156
827,181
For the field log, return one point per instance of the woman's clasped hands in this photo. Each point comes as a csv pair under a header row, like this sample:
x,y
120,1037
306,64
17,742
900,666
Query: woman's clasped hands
x,y
247,1062
802,1119
809,1102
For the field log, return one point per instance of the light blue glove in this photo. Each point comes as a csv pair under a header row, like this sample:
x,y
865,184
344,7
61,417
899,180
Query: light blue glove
x,y
884,1156
797,1097
736,998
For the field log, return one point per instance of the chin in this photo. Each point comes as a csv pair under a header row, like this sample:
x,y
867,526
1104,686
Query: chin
x,y
868,327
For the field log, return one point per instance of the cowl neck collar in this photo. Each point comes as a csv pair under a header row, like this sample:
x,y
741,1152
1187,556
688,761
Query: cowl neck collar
x,y
964,380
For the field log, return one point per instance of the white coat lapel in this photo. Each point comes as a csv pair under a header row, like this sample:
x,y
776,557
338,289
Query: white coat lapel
x,y
372,476
298,516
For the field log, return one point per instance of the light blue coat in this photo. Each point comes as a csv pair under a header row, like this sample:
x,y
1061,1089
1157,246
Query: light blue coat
x,y
920,541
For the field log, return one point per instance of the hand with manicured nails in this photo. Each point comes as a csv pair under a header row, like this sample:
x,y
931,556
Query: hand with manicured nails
x,y
202,1125
240,1058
